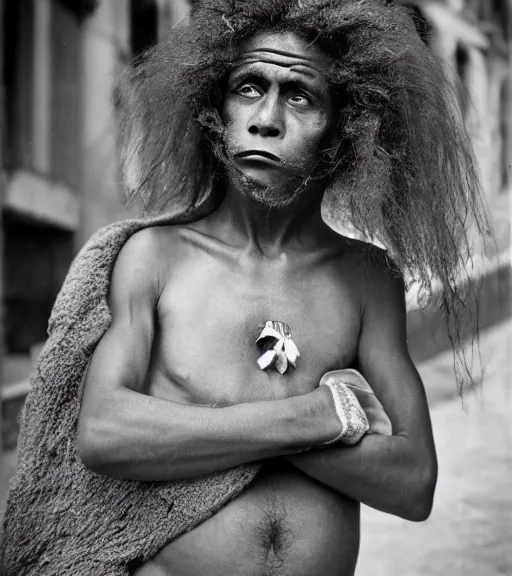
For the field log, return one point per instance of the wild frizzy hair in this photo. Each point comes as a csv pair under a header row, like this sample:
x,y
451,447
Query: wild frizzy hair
x,y
402,169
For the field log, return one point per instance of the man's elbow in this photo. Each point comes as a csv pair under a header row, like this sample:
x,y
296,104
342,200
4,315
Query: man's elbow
x,y
420,510
421,497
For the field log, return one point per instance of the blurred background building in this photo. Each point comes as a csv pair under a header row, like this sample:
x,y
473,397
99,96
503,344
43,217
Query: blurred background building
x,y
59,174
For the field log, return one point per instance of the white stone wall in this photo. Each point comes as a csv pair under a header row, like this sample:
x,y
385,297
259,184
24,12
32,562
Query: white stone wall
x,y
105,52
105,46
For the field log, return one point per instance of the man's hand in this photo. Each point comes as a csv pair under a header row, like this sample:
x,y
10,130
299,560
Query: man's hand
x,y
351,417
396,474
358,409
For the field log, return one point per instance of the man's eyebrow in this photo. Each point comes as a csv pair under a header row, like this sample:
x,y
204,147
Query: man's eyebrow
x,y
310,83
246,71
303,83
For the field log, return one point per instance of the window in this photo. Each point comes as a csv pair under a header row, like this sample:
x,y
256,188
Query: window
x,y
65,97
143,26
18,82
462,61
42,89
506,138
81,8
496,12
42,144
35,262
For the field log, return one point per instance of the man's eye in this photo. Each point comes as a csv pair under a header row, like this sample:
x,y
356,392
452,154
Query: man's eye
x,y
248,91
299,100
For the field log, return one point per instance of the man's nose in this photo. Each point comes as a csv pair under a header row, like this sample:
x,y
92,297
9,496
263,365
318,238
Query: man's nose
x,y
267,120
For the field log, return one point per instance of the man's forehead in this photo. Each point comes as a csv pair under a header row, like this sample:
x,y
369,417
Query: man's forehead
x,y
285,49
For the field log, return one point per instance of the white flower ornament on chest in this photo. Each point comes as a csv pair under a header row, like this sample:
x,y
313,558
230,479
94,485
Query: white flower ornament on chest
x,y
277,348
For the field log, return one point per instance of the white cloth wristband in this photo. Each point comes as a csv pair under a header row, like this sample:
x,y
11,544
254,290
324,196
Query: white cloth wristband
x,y
354,423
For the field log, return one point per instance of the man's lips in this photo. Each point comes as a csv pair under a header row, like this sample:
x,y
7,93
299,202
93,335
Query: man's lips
x,y
257,154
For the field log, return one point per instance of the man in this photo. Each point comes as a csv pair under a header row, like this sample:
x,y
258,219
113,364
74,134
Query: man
x,y
276,111
186,302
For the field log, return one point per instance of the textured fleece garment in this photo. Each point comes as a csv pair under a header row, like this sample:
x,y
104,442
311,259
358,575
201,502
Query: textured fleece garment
x,y
62,519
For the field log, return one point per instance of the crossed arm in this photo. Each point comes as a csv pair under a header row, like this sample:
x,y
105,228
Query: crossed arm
x,y
396,474
126,433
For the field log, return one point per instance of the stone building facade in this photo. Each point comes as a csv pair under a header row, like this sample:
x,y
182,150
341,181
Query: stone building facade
x,y
473,38
59,173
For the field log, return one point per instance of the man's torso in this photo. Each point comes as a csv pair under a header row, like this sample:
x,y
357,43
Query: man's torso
x,y
213,302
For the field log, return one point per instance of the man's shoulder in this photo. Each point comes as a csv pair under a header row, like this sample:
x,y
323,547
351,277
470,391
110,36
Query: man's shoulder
x,y
372,267
154,251
146,254
151,242
361,254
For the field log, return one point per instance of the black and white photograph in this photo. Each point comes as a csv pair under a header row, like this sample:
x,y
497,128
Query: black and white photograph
x,y
255,288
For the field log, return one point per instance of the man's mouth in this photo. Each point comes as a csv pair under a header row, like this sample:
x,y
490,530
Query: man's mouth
x,y
256,154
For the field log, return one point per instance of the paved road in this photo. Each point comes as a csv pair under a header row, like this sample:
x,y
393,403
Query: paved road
x,y
470,530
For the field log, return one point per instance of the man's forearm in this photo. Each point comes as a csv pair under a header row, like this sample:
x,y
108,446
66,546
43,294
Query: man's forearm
x,y
384,472
138,437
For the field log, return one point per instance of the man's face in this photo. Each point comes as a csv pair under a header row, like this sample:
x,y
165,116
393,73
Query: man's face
x,y
278,114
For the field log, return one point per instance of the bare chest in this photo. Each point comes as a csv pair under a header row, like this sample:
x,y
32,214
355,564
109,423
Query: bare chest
x,y
210,318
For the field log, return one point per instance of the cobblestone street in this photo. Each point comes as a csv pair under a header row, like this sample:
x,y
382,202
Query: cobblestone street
x,y
470,530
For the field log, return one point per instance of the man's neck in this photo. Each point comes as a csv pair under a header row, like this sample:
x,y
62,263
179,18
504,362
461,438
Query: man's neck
x,y
270,231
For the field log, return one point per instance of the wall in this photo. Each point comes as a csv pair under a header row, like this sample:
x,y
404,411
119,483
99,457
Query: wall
x,y
2,125
61,168
105,46
473,39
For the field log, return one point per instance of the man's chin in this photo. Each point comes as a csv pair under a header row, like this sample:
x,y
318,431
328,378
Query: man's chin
x,y
270,195
268,189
